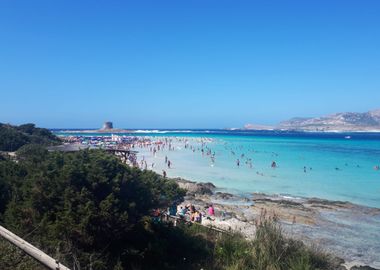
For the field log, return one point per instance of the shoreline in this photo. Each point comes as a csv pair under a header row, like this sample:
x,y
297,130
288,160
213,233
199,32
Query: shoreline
x,y
318,222
142,131
216,158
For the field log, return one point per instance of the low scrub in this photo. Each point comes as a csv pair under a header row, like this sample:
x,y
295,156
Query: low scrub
x,y
270,250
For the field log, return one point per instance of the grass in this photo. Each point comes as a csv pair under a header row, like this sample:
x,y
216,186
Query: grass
x,y
15,259
270,250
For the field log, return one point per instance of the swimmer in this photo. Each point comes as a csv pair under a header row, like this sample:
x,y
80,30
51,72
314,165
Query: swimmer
x,y
274,164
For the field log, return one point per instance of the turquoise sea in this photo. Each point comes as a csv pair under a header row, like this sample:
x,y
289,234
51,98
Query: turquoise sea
x,y
334,166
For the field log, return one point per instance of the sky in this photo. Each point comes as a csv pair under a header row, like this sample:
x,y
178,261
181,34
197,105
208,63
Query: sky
x,y
186,64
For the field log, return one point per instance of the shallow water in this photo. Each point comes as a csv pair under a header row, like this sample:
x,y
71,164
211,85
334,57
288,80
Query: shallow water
x,y
336,168
352,235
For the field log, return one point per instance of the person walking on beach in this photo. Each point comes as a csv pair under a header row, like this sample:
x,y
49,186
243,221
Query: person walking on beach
x,y
164,173
169,164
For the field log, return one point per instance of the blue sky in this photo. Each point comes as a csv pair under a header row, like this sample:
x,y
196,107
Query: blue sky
x,y
186,64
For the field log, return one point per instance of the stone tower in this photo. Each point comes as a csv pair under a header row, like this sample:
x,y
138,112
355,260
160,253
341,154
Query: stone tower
x,y
107,125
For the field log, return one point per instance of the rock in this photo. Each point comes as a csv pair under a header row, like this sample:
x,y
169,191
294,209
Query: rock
x,y
285,203
223,195
326,202
193,188
246,199
362,268
338,263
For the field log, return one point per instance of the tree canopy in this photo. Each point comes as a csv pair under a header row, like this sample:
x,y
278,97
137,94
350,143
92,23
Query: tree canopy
x,y
13,137
85,204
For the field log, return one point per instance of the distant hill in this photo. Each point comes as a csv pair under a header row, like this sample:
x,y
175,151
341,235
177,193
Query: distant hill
x,y
258,127
13,137
346,121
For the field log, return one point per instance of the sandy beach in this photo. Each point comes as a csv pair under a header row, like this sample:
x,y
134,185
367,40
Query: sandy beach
x,y
328,225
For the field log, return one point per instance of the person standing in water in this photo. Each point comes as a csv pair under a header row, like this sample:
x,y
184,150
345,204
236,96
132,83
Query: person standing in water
x,y
274,165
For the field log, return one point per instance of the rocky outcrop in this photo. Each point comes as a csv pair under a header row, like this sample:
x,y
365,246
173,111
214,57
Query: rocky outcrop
x,y
362,268
312,220
193,188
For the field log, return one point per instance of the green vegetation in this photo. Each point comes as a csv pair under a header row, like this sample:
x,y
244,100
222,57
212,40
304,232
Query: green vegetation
x,y
270,250
89,210
85,207
13,137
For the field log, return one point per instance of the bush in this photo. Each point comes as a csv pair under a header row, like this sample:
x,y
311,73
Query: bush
x,y
13,137
32,152
270,250
88,205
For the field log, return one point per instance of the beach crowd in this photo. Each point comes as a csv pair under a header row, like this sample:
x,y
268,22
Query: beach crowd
x,y
185,213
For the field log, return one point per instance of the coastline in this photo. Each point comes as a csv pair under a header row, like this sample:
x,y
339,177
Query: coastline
x,y
142,131
318,222
345,230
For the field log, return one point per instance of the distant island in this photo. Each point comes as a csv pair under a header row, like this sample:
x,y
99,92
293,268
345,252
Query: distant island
x,y
338,122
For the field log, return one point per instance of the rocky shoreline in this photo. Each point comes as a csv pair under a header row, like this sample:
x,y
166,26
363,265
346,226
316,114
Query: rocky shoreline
x,y
336,227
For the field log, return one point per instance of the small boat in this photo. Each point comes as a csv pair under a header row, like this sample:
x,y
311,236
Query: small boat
x,y
347,137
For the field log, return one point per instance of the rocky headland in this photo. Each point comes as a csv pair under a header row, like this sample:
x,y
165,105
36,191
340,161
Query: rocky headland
x,y
340,228
338,122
